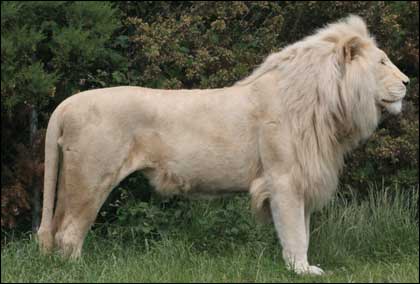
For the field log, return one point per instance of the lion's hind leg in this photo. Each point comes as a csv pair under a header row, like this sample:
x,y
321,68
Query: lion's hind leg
x,y
72,227
81,194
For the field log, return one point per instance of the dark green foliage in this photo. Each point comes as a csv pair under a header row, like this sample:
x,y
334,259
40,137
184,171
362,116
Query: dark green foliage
x,y
206,220
51,50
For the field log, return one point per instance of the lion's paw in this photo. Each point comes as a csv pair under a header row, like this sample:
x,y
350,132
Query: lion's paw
x,y
309,269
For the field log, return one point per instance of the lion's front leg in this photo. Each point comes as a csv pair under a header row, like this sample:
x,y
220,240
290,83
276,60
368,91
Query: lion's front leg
x,y
292,225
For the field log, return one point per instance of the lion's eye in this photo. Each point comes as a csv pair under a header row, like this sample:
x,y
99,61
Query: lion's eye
x,y
383,62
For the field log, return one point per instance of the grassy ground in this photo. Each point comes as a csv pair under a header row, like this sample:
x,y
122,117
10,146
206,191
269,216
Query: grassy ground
x,y
376,240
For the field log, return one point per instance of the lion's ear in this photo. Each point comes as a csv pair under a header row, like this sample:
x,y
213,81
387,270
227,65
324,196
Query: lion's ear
x,y
351,48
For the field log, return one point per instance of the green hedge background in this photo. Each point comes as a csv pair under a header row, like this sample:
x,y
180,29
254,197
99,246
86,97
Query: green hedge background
x,y
51,50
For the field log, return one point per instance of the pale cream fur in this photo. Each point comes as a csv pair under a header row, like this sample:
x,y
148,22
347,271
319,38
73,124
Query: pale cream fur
x,y
280,134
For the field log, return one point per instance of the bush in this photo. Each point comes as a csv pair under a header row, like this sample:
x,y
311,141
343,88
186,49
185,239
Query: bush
x,y
49,50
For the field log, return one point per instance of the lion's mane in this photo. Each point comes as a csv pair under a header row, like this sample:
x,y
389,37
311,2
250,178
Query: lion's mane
x,y
329,105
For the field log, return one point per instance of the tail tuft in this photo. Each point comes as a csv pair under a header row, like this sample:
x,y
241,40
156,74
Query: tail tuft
x,y
260,201
45,241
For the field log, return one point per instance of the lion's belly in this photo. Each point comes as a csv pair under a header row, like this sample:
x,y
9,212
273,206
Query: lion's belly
x,y
201,165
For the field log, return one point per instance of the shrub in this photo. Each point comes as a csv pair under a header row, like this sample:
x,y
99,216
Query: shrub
x,y
49,50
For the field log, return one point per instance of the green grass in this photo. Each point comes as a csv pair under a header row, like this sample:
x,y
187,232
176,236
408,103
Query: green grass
x,y
375,240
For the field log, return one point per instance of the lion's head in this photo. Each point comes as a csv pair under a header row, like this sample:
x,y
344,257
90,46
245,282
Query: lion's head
x,y
369,78
338,75
361,55
366,69
392,83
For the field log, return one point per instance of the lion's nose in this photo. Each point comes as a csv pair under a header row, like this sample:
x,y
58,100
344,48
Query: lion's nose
x,y
405,82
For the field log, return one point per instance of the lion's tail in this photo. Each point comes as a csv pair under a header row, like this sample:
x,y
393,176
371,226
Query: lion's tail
x,y
260,200
45,232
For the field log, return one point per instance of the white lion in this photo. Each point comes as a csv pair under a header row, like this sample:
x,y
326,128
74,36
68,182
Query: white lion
x,y
280,134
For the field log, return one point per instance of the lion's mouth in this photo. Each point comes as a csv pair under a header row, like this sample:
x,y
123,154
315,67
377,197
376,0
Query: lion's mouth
x,y
392,106
389,101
